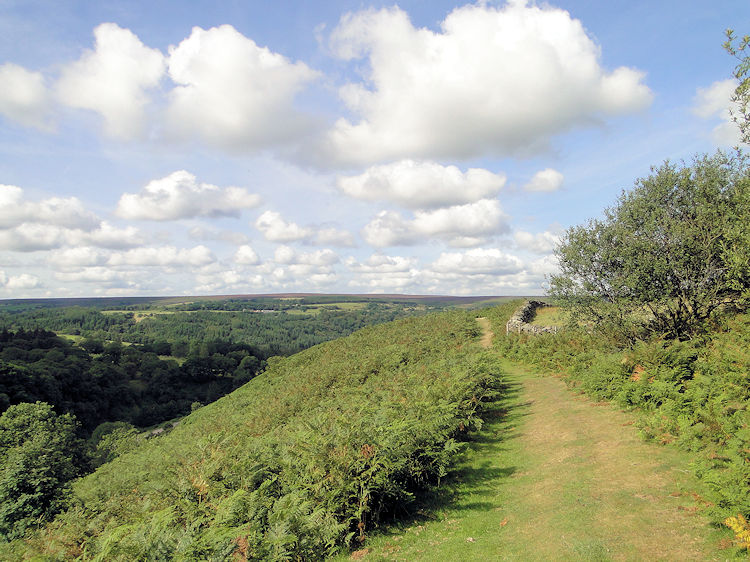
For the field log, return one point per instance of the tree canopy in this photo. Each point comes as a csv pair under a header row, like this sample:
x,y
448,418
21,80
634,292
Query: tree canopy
x,y
39,455
740,49
667,255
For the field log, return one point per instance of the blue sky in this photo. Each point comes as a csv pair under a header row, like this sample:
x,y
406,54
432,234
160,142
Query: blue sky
x,y
181,148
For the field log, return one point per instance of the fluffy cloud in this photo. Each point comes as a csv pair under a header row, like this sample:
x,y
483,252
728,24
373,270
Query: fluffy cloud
x,y
245,255
331,236
226,280
207,233
28,226
168,256
542,243
104,275
380,263
67,213
84,256
20,282
276,229
381,273
545,180
498,80
544,266
715,102
459,225
109,236
477,261
320,258
232,92
24,97
31,237
422,185
113,80
179,195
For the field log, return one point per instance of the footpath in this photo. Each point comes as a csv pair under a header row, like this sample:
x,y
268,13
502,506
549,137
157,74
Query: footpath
x,y
555,476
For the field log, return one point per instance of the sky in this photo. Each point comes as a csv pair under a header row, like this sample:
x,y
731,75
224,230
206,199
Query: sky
x,y
241,147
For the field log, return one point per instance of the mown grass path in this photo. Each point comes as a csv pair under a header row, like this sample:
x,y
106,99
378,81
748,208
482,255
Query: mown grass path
x,y
555,476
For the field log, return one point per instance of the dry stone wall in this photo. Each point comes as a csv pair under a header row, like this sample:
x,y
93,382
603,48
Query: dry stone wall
x,y
519,322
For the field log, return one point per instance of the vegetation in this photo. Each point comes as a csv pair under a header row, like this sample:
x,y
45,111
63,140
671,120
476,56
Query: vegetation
x,y
691,393
306,458
669,254
39,456
740,49
100,382
269,326
551,477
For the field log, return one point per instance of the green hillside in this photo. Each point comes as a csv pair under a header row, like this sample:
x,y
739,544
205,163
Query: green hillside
x,y
300,462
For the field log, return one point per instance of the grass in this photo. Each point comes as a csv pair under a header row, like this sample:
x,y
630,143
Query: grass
x,y
550,316
71,337
555,476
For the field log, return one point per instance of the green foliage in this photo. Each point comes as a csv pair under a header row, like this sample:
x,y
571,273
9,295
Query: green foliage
x,y
303,460
112,439
692,393
269,326
668,255
39,455
221,345
130,383
740,49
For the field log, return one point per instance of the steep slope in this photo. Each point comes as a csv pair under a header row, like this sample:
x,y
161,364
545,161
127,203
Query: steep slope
x,y
298,462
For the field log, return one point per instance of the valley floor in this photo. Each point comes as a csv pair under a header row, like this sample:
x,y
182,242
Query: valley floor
x,y
555,476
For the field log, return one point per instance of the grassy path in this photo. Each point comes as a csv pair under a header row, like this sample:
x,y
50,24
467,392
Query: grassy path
x,y
558,477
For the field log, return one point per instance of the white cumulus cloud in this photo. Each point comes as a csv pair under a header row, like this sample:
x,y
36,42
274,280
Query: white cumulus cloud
x,y
246,255
321,258
422,184
29,226
276,229
545,180
22,282
716,102
113,80
24,97
459,225
381,263
163,256
83,256
477,261
331,236
541,243
179,195
492,80
67,213
231,92
208,233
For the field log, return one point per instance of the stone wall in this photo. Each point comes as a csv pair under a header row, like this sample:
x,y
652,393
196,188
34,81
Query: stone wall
x,y
519,322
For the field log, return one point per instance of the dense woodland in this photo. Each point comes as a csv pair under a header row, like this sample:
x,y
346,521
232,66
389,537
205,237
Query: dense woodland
x,y
271,326
152,364
99,382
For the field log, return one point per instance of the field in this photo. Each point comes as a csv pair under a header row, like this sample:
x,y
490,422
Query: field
x,y
550,316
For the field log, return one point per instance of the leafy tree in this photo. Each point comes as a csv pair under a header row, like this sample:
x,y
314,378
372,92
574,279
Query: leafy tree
x,y
740,49
668,255
39,455
112,439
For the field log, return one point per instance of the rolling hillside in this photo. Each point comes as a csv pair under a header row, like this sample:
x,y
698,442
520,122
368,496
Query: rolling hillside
x,y
300,462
